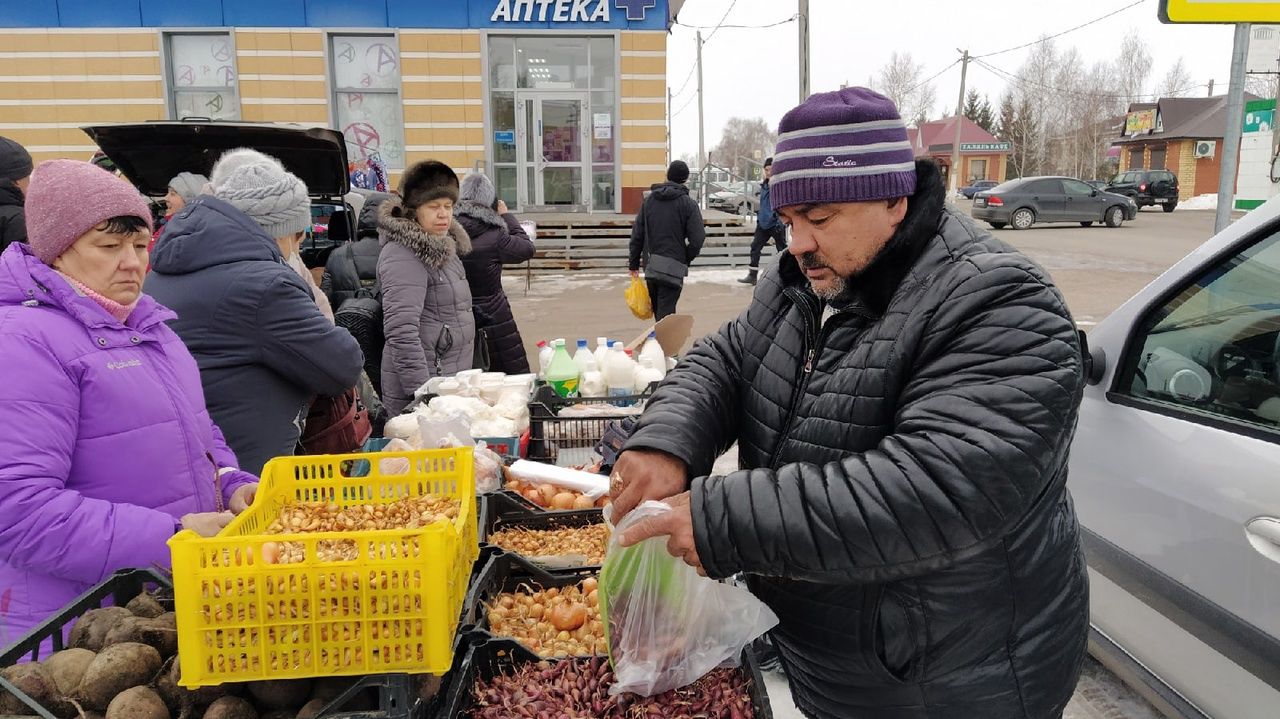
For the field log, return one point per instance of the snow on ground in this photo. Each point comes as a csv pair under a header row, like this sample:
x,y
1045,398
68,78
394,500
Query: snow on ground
x,y
1200,202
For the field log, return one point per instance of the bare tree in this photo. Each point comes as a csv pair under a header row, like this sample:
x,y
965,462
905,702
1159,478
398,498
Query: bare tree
x,y
1264,86
743,137
1177,82
902,80
1133,66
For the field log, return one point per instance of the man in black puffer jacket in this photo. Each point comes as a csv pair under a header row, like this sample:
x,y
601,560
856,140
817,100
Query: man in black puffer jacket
x,y
354,266
669,234
903,391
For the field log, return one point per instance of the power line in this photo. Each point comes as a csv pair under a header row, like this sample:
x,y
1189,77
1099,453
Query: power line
x,y
1006,75
720,24
1064,32
738,27
931,78
685,106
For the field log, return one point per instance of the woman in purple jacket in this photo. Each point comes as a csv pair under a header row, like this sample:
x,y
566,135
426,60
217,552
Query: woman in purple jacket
x,y
106,449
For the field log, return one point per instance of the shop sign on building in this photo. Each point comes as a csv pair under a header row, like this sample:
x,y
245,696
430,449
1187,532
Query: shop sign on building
x,y
565,11
985,147
1141,122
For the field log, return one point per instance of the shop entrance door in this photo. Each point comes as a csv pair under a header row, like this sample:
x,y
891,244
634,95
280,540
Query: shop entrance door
x,y
555,160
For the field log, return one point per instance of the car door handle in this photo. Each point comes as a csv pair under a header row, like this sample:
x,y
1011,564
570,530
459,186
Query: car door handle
x,y
1264,534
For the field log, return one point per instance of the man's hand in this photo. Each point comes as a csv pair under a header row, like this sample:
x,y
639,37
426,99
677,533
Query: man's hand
x,y
207,524
676,526
502,208
644,474
242,498
635,274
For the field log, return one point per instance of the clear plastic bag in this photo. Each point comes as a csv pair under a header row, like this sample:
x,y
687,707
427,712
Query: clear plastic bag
x,y
667,626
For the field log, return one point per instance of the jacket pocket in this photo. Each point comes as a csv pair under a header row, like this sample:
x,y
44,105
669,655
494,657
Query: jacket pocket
x,y
444,343
896,632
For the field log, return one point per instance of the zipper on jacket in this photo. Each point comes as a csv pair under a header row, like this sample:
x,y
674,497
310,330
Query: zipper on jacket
x,y
815,335
217,483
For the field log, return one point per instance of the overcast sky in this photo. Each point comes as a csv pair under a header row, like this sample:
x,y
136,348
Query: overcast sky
x,y
753,72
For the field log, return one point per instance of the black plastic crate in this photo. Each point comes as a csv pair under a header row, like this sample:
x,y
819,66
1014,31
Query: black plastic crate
x,y
505,513
570,441
485,659
506,572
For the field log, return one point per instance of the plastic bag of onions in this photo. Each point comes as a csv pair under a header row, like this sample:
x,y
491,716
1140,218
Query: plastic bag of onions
x,y
665,625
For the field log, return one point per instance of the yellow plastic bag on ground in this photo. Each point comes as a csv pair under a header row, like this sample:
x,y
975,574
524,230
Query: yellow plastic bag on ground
x,y
638,299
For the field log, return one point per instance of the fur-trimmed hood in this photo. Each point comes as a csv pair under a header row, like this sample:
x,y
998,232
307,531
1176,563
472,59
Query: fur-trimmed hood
x,y
480,213
434,251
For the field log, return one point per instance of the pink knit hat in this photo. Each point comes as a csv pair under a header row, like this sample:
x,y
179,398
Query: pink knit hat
x,y
67,198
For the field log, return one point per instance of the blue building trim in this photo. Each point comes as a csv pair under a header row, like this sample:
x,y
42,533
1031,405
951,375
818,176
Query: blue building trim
x,y
437,14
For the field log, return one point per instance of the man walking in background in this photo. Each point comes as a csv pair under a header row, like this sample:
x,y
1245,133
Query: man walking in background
x,y
768,226
15,172
668,234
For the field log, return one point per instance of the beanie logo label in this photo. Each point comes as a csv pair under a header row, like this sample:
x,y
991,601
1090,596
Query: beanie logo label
x,y
833,162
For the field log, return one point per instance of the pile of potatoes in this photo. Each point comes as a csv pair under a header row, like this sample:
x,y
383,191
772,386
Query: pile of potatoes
x,y
123,664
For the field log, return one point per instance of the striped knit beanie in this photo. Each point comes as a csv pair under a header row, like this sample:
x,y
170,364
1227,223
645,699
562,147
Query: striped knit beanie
x,y
845,146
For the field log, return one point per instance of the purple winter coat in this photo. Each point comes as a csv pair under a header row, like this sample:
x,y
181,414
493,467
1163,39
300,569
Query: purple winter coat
x,y
104,441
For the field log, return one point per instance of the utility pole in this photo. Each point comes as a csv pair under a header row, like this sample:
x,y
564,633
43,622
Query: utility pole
x,y
954,175
1235,126
669,158
803,22
702,132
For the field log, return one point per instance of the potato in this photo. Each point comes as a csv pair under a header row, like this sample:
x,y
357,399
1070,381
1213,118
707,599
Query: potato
x,y
144,605
34,681
93,626
137,703
311,709
160,633
231,708
67,668
115,669
180,700
280,693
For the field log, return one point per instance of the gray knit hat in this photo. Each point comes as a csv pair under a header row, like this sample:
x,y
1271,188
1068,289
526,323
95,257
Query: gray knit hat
x,y
276,199
239,157
188,185
478,188
15,161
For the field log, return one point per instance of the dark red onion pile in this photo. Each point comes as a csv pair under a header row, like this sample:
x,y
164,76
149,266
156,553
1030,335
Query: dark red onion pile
x,y
579,689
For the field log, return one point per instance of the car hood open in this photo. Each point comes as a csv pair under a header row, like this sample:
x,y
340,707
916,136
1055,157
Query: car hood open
x,y
151,153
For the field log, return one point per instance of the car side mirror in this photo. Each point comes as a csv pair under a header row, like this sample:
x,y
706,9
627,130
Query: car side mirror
x,y
1094,193
1094,359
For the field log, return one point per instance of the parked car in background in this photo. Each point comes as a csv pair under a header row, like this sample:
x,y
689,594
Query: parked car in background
x,y
740,198
1147,188
1173,473
149,154
1024,202
1097,184
978,186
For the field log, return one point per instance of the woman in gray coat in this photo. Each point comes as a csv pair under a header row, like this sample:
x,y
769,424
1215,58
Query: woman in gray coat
x,y
426,303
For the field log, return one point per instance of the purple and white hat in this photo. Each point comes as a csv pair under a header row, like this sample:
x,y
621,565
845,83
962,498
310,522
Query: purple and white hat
x,y
844,146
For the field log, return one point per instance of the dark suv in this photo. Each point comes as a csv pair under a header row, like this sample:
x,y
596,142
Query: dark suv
x,y
1147,188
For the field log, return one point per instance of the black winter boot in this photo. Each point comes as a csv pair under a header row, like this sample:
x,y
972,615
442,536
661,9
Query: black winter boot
x,y
750,279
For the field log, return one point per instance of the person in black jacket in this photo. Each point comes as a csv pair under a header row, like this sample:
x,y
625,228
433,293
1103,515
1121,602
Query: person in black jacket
x,y
353,268
903,391
669,234
497,239
15,173
264,348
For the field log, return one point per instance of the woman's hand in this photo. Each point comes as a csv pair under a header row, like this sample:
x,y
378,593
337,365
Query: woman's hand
x,y
242,498
502,208
207,524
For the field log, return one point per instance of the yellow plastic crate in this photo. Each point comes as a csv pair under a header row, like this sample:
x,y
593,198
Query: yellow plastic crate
x,y
394,608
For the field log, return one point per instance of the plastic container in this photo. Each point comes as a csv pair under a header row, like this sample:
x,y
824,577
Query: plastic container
x,y
593,385
545,353
483,658
647,373
396,605
571,441
503,514
507,572
584,359
601,351
562,373
619,374
652,351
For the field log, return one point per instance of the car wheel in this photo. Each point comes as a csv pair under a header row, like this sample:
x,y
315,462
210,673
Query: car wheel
x,y
1086,224
1171,207
996,225
1115,216
1023,219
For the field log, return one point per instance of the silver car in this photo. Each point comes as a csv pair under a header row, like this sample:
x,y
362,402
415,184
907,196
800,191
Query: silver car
x,y
736,198
1175,473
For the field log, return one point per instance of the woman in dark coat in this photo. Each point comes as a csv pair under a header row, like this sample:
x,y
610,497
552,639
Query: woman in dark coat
x,y
497,239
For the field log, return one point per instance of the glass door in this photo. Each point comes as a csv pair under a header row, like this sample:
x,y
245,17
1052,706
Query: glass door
x,y
556,161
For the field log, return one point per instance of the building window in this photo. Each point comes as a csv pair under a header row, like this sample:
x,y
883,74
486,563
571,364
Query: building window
x,y
202,76
1157,158
366,97
1135,159
977,170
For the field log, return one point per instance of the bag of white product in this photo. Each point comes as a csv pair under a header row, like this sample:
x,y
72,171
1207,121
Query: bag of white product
x,y
666,625
488,469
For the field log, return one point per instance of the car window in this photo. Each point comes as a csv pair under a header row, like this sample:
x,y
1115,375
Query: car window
x,y
1214,349
1044,187
1009,186
1076,187
1128,177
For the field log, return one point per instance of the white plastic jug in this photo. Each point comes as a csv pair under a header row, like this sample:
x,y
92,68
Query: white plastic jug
x,y
620,373
545,353
601,351
584,358
647,374
652,351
